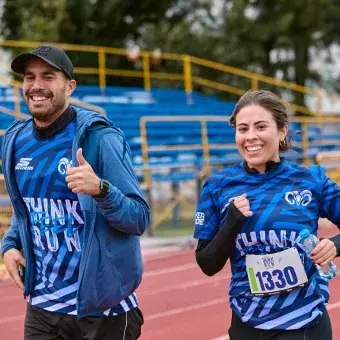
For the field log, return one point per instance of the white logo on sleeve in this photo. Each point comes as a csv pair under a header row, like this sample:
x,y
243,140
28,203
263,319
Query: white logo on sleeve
x,y
23,164
64,165
199,218
299,198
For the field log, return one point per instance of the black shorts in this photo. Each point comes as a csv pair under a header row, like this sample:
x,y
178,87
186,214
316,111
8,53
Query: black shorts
x,y
44,325
322,330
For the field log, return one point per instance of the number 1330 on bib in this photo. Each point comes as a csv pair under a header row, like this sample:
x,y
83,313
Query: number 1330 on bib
x,y
274,273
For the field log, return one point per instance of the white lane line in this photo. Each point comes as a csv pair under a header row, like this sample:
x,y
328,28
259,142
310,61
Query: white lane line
x,y
7,299
177,311
333,305
224,337
155,255
12,319
169,270
170,312
184,285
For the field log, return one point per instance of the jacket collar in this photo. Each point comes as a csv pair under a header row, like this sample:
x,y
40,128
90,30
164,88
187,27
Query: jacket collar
x,y
270,166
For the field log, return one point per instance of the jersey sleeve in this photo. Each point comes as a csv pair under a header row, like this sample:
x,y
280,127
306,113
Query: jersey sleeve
x,y
207,218
330,199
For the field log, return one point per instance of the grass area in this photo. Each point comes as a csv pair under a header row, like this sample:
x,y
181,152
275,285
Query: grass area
x,y
166,229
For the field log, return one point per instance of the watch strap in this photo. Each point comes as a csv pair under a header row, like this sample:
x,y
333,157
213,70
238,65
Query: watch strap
x,y
104,187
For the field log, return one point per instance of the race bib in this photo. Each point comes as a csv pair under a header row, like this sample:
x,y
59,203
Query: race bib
x,y
275,273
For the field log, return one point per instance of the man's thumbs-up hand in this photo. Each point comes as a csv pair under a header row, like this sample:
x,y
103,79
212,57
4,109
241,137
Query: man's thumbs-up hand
x,y
80,158
82,179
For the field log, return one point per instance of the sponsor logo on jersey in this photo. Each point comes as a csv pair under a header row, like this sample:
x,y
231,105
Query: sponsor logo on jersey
x,y
299,198
64,165
23,164
199,219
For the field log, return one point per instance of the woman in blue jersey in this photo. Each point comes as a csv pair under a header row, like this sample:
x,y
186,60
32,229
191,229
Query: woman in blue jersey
x,y
252,213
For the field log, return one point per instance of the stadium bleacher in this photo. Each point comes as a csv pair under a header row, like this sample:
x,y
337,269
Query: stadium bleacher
x,y
125,107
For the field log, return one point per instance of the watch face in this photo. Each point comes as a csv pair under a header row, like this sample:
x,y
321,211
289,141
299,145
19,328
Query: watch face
x,y
104,186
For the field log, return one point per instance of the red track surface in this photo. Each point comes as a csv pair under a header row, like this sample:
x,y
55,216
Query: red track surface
x,y
178,301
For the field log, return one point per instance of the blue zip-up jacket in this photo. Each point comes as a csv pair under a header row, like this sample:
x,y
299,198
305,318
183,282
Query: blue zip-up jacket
x,y
111,264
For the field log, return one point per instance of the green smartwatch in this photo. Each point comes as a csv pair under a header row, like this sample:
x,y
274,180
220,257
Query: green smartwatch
x,y
104,187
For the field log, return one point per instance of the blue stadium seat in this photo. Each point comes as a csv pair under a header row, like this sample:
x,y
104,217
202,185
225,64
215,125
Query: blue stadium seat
x,y
125,107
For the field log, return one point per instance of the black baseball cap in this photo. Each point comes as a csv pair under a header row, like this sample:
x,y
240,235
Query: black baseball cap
x,y
50,54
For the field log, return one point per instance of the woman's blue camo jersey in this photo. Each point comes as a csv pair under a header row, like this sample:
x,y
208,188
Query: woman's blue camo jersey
x,y
283,201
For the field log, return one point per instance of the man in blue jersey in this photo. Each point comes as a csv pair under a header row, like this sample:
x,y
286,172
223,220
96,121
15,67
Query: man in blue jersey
x,y
78,211
252,213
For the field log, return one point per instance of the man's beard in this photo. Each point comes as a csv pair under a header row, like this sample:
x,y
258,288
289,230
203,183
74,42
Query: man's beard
x,y
44,113
47,114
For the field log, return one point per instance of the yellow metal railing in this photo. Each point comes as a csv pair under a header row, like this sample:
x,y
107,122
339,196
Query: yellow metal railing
x,y
205,146
331,160
15,113
186,76
88,106
162,216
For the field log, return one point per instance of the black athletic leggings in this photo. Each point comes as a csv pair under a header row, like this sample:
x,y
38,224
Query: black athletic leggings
x,y
322,330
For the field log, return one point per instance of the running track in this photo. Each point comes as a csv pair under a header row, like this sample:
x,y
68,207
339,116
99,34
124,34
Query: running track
x,y
178,301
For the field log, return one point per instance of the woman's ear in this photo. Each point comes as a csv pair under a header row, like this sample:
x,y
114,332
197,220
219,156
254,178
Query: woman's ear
x,y
283,133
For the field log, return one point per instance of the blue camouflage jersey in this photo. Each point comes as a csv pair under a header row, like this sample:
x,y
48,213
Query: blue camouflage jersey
x,y
283,201
57,222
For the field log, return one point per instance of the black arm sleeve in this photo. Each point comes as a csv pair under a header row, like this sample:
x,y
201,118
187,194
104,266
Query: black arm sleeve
x,y
212,255
336,240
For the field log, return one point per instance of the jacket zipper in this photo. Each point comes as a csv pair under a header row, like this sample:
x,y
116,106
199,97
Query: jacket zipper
x,y
83,263
84,252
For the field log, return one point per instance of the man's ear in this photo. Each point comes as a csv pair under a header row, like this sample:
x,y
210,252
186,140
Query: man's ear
x,y
71,86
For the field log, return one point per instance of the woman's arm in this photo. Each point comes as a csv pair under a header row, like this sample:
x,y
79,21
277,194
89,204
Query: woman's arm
x,y
336,240
212,255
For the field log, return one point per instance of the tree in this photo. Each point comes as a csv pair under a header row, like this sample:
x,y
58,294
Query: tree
x,y
32,21
271,37
190,27
257,30
303,33
86,22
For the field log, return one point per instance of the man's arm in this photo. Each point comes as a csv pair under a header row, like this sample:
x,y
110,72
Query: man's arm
x,y
123,206
11,238
10,250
